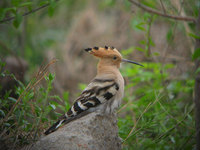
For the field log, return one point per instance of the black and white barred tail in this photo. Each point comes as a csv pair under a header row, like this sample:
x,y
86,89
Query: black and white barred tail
x,y
54,127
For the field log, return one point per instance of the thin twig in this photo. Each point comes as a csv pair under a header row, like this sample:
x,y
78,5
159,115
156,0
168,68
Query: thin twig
x,y
125,105
163,7
26,13
153,11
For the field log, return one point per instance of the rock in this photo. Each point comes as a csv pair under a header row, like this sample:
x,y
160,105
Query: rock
x,y
91,132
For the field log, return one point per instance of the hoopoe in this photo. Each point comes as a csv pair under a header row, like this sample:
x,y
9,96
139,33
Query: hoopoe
x,y
105,91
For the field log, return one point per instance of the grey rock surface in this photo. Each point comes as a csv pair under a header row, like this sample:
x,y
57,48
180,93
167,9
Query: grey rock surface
x,y
91,132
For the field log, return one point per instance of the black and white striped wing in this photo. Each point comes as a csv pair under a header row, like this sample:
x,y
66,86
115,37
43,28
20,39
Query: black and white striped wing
x,y
98,92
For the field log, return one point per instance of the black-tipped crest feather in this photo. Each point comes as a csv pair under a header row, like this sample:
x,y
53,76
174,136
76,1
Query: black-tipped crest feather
x,y
96,48
88,49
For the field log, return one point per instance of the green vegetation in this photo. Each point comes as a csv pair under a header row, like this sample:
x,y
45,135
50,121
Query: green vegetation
x,y
159,112
24,122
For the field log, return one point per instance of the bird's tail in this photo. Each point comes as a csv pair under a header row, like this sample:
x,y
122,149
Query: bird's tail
x,y
64,120
55,126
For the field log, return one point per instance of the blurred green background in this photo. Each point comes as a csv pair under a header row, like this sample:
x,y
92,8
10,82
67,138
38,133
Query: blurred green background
x,y
157,111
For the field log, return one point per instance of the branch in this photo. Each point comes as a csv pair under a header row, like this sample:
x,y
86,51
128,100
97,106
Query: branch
x,y
26,13
153,11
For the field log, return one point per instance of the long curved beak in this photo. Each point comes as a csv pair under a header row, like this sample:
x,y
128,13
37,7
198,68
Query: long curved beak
x,y
129,61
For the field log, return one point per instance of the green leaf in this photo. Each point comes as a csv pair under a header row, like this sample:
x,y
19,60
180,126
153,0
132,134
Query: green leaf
x,y
198,70
52,106
151,42
169,66
26,4
18,20
147,16
51,8
140,26
140,49
107,3
151,4
2,13
56,97
43,3
156,53
169,35
44,119
50,11
54,103
46,78
51,77
142,42
7,124
127,51
58,114
196,54
82,86
194,35
2,113
15,2
66,96
12,99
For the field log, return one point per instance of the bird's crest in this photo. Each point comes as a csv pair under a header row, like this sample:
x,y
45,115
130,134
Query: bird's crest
x,y
103,52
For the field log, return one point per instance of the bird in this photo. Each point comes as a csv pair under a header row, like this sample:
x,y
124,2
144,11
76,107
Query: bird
x,y
104,93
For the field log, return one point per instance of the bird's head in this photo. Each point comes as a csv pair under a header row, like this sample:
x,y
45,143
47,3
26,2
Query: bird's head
x,y
109,55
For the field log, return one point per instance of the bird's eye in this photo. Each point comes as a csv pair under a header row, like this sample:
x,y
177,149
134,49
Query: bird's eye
x,y
115,57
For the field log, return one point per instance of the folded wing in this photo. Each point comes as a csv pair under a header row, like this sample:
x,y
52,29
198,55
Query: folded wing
x,y
99,91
